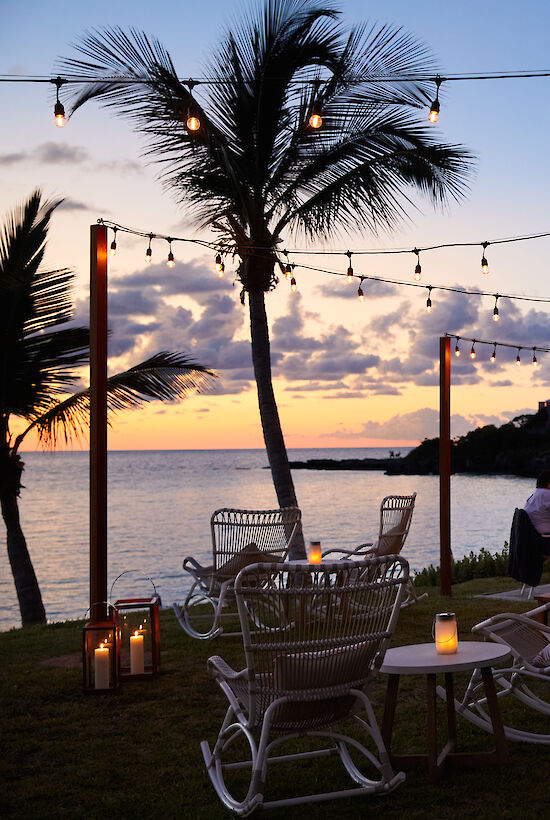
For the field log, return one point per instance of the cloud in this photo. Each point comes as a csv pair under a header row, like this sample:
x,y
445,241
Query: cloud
x,y
69,204
340,288
12,159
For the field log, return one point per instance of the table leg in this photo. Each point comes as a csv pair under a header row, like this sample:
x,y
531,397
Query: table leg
x,y
433,768
389,711
451,714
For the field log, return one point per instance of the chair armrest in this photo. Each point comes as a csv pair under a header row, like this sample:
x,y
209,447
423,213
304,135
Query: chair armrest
x,y
196,569
526,618
218,668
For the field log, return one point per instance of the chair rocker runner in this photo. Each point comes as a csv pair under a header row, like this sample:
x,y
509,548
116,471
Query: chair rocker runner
x,y
304,679
529,642
396,513
239,538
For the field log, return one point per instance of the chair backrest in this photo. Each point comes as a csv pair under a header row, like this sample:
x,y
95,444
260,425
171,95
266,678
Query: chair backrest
x,y
395,520
247,536
524,639
311,633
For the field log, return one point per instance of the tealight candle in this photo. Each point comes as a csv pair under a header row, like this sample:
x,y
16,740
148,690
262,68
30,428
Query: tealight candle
x,y
101,667
137,663
445,634
314,554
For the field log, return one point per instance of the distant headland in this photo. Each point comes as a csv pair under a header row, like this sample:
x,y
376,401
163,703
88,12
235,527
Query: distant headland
x,y
520,447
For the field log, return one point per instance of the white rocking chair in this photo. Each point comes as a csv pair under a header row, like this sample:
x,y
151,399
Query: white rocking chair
x,y
306,675
396,513
239,538
529,643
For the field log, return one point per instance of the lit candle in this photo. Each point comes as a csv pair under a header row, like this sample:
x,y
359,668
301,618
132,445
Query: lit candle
x,y
137,664
446,635
314,552
101,667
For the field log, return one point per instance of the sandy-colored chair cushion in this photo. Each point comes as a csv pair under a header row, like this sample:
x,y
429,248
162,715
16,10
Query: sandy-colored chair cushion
x,y
312,670
543,657
248,555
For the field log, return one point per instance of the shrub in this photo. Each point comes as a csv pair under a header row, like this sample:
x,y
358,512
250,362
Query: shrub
x,y
483,565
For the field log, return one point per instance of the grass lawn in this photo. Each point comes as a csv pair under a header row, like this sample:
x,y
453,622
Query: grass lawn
x,y
136,753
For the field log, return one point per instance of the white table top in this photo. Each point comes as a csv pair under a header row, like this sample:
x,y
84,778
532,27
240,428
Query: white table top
x,y
423,659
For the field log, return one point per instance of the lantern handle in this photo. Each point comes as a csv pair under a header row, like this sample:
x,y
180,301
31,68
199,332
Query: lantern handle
x,y
96,603
126,571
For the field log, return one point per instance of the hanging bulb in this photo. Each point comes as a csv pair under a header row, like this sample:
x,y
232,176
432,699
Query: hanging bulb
x,y
293,285
433,116
113,244
218,264
360,293
494,353
192,122
534,362
473,351
484,263
418,269
59,110
170,261
457,349
315,119
149,251
429,301
288,271
496,316
518,358
350,269
221,270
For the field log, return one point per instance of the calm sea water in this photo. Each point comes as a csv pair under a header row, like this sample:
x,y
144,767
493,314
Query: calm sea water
x,y
160,504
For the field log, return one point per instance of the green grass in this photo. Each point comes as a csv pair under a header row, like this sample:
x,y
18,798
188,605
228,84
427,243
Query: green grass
x,y
136,754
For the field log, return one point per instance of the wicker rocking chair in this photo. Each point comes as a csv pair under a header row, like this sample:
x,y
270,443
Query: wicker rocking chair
x,y
304,678
239,538
529,643
395,520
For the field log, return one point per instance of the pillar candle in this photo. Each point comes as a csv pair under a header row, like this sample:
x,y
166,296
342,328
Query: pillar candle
x,y
101,667
137,664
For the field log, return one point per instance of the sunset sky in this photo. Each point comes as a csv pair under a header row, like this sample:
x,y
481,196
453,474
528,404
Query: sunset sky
x,y
346,374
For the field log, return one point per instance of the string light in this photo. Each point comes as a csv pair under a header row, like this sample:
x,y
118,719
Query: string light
x,y
484,263
457,349
473,350
534,362
360,293
113,244
496,316
149,251
192,122
433,116
518,358
429,300
59,110
494,353
418,268
494,344
350,269
293,285
170,261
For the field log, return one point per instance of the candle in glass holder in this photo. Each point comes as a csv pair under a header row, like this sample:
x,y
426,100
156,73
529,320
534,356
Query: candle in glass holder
x,y
445,633
314,554
101,667
137,663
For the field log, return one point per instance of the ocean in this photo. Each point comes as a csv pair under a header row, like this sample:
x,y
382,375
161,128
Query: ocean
x,y
160,503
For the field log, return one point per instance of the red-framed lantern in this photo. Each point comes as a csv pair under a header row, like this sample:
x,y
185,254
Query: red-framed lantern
x,y
138,620
101,654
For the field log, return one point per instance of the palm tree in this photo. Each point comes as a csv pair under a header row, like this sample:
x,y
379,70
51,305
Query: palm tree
x,y
37,364
254,170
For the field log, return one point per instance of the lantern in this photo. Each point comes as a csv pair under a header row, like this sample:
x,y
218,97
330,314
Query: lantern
x,y
139,637
445,633
314,554
101,654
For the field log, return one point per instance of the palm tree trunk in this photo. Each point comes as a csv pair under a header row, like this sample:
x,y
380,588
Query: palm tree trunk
x,y
271,425
24,576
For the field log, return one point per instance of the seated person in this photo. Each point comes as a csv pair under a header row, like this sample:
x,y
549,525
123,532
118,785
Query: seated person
x,y
537,507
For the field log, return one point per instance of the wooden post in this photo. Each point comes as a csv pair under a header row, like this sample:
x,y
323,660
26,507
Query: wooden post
x,y
98,422
445,466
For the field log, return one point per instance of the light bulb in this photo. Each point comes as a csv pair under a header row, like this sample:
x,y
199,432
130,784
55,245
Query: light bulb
x,y
433,116
534,362
457,350
315,120
494,353
148,254
429,301
473,352
360,294
350,275
193,123
113,248
518,360
495,314
221,270
170,262
417,272
288,271
218,264
59,114
293,285
484,265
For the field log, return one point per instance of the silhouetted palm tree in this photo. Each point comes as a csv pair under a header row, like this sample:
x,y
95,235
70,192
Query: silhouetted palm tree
x,y
254,170
37,364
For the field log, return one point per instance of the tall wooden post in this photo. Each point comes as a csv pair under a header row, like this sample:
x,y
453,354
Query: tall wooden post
x,y
98,422
445,465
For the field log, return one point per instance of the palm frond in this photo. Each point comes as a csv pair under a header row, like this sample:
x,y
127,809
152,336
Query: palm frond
x,y
165,377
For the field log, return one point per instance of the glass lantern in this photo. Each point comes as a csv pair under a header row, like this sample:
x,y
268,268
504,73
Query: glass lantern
x,y
138,619
101,654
